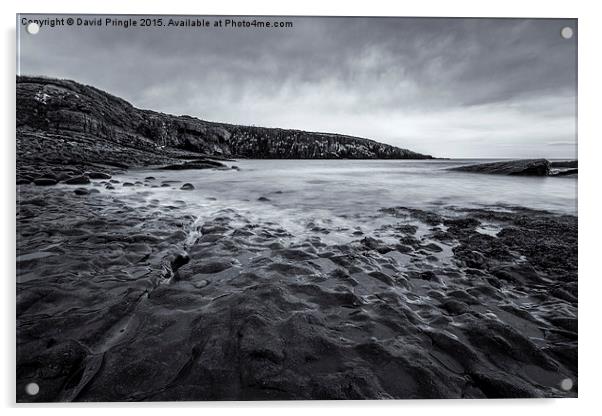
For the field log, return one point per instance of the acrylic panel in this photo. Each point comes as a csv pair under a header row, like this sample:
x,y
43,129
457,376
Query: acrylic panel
x,y
283,207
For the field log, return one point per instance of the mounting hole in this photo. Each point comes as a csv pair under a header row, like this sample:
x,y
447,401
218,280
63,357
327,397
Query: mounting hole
x,y
33,28
566,32
32,389
566,384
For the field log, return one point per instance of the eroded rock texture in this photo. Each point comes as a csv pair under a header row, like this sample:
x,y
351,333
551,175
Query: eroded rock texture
x,y
126,297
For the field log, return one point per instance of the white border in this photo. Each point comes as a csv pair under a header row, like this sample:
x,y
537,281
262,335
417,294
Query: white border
x,y
590,92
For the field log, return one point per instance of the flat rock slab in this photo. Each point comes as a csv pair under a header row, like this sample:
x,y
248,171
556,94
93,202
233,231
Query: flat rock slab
x,y
196,164
523,167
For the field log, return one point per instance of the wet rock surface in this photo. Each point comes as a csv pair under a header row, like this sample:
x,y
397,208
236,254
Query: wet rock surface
x,y
122,296
196,164
187,187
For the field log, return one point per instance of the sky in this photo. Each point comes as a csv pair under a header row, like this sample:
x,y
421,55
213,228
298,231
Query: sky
x,y
464,88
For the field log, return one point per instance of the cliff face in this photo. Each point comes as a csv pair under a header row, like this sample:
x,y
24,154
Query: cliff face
x,y
76,111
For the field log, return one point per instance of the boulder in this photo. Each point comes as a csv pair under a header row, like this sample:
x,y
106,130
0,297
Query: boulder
x,y
195,164
44,181
522,167
98,175
78,180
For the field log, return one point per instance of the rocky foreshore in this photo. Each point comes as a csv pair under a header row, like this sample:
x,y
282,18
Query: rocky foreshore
x,y
123,297
46,159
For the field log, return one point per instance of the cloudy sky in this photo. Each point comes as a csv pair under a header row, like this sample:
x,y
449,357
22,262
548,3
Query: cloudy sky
x,y
446,87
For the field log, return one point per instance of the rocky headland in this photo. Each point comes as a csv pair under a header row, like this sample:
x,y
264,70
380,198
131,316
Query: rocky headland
x,y
65,128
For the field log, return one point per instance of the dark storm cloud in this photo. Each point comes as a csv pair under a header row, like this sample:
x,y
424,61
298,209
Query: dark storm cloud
x,y
450,87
